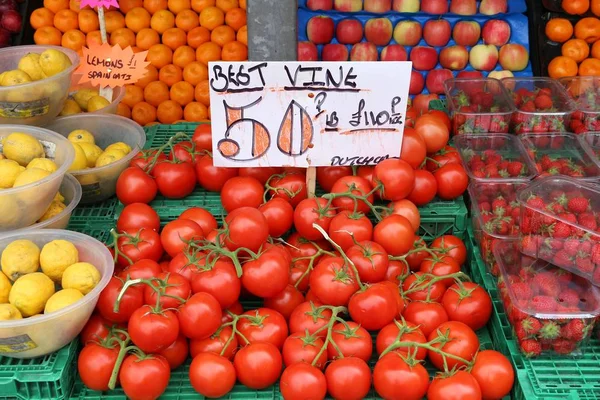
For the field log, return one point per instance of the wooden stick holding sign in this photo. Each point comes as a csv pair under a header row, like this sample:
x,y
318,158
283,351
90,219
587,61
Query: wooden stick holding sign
x,y
105,92
311,181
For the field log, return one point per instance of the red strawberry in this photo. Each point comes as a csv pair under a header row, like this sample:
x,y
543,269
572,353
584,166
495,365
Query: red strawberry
x,y
564,346
543,102
564,277
549,330
536,202
531,325
588,221
560,230
585,265
571,247
569,297
596,277
544,304
596,254
521,291
562,259
516,168
578,205
528,106
529,244
531,348
575,330
546,283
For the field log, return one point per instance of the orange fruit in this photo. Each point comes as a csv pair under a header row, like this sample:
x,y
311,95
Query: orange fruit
x,y
243,4
577,49
168,112
197,36
236,18
559,30
114,20
73,39
136,49
211,17
124,37
133,95
75,5
162,20
56,5
596,49
143,113
242,35
88,21
575,7
147,38
127,5
65,20
227,5
41,17
183,56
177,6
202,94
47,35
562,66
174,38
199,5
123,110
195,112
588,29
159,55
93,38
154,6
170,74
595,7
137,18
182,93
207,52
186,20
150,76
222,35
234,51
195,72
156,92
590,67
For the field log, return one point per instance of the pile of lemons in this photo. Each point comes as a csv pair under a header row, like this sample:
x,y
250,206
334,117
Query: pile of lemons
x,y
89,155
84,100
35,67
35,281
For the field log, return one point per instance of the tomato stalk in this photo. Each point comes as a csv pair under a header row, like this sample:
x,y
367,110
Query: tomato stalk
x,y
425,281
214,250
269,188
320,252
234,330
159,289
161,149
437,163
328,338
123,351
134,241
356,198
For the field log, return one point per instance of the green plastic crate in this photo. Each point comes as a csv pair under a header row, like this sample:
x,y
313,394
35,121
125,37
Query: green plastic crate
x,y
99,211
48,377
157,135
98,229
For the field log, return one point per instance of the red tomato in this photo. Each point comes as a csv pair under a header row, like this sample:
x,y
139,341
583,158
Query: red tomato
x,y
494,373
441,266
434,132
348,378
408,210
406,332
303,381
143,159
202,217
374,307
425,188
210,177
427,315
395,179
95,330
396,234
215,344
202,137
286,301
212,375
333,281
95,365
220,280
171,284
421,102
346,225
187,263
290,187
358,187
261,174
366,171
400,303
175,180
442,116
452,181
469,303
263,325
310,211
144,378
153,331
394,379
452,246
135,186
136,216
396,272
370,259
236,308
142,269
270,266
177,233
185,152
415,259
279,215
463,343
303,347
248,228
352,340
139,245
413,148
327,176
240,192
417,287
308,317
258,365
446,155
302,247
176,353
132,299
200,316
461,385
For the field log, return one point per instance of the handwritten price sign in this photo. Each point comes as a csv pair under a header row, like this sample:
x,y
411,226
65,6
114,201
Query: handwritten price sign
x,y
106,65
307,114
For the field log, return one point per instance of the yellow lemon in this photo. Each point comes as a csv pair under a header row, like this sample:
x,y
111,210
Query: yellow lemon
x,y
31,175
81,136
81,276
22,148
5,286
97,103
92,152
80,160
11,212
9,170
30,63
20,257
109,157
43,163
59,198
70,108
62,299
53,210
9,312
15,77
56,256
54,62
82,97
30,293
124,147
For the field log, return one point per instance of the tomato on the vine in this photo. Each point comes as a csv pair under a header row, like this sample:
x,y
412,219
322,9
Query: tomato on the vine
x,y
216,343
258,365
135,186
210,177
136,216
241,191
313,211
405,332
469,303
303,381
202,217
212,375
95,365
279,215
289,186
418,286
174,285
356,186
428,315
286,301
175,180
394,378
138,245
303,347
349,376
373,307
95,330
246,227
142,269
462,342
395,233
494,373
328,176
370,259
263,325
452,181
185,152
395,179
144,158
144,377
408,210
309,317
459,385
176,353
200,316
177,233
153,331
132,299
425,188
219,280
452,246
270,266
261,174
347,225
333,281
352,340
441,266
434,132
413,148
202,137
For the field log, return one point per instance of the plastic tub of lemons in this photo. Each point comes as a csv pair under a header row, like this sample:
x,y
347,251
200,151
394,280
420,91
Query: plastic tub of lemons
x,y
33,162
49,285
84,98
104,144
34,83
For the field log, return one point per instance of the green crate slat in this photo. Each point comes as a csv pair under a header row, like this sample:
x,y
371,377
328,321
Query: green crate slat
x,y
48,377
477,264
157,135
99,211
97,228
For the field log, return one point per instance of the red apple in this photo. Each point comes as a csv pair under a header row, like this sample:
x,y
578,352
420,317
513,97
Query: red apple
x,y
492,7
469,74
407,6
348,5
454,57
437,7
417,82
408,33
334,52
4,37
319,4
500,74
463,7
394,52
378,6
496,32
363,51
483,57
307,51
8,5
436,32
421,102
436,78
320,29
349,31
466,33
424,58
12,21
513,57
379,31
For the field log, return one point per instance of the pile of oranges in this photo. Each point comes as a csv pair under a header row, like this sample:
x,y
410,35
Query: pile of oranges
x,y
181,37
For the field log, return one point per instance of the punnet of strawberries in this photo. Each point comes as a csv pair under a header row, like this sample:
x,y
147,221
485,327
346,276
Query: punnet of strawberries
x,y
560,225
478,105
542,105
592,139
494,157
585,91
549,309
561,154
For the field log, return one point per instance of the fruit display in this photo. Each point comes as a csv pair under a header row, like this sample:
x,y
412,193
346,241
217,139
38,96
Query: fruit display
x,y
36,67
89,155
11,22
181,38
592,139
583,90
458,7
88,100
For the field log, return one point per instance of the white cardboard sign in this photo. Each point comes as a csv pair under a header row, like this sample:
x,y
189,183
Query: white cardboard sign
x,y
307,114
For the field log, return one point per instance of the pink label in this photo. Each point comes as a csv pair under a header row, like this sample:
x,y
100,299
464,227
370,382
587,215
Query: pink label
x,y
99,3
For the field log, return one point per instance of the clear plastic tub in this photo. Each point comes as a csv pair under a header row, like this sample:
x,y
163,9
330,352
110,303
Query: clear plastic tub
x,y
495,157
585,92
36,103
550,310
24,205
592,139
478,105
98,184
559,224
541,105
35,337
118,94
